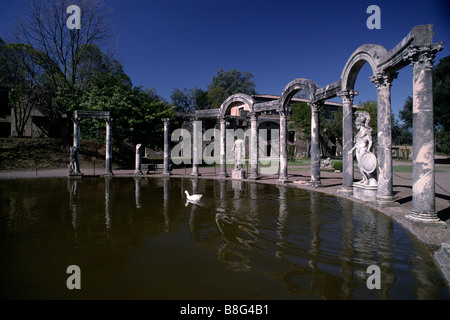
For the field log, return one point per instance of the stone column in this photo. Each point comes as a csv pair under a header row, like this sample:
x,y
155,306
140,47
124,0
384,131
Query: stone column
x,y
108,166
196,131
254,147
383,82
138,159
76,140
282,177
423,176
223,147
315,145
166,169
347,141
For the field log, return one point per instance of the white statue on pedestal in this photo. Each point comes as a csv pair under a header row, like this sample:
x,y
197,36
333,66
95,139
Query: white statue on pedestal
x,y
238,152
367,162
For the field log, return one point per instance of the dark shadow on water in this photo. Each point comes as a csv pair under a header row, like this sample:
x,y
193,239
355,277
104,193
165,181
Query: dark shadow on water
x,y
444,215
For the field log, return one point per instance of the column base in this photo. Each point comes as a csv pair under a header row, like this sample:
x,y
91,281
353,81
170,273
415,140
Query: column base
x,y
316,184
345,191
223,175
426,220
386,201
166,174
254,177
75,175
238,174
138,173
195,174
108,173
284,180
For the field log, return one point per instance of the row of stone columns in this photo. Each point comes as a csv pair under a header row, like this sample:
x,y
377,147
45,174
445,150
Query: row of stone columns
x,y
108,156
254,157
423,188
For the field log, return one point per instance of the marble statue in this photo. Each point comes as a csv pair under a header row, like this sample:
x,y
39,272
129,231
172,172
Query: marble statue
x,y
238,151
74,166
367,161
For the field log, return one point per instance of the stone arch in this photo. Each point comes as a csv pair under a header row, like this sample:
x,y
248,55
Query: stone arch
x,y
238,97
369,53
293,87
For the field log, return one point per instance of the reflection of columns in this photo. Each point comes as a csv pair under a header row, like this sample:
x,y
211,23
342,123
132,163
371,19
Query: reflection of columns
x,y
315,225
282,177
223,152
108,167
166,204
315,145
347,141
196,131
166,170
107,200
383,83
137,191
345,256
254,147
423,188
73,200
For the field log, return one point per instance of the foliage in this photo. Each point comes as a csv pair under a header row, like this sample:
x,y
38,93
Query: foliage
x,y
330,127
441,101
371,107
301,119
190,100
136,113
223,85
233,81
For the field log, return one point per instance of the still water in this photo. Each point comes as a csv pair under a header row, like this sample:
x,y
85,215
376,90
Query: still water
x,y
140,239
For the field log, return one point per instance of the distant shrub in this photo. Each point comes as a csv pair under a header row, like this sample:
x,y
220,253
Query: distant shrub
x,y
337,165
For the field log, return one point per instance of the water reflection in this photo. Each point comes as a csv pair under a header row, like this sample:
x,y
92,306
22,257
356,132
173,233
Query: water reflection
x,y
316,246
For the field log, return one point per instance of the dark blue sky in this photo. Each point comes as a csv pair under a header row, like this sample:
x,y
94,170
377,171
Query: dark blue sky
x,y
181,44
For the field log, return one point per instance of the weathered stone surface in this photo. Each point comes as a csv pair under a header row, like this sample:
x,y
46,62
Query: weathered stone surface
x,y
238,174
364,192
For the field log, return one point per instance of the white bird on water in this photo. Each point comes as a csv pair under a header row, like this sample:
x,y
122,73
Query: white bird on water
x,y
194,197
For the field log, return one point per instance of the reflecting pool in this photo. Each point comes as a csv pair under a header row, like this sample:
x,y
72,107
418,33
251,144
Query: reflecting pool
x,y
140,239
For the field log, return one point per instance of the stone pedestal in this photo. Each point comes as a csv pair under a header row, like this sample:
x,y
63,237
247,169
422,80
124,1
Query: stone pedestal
x,y
365,192
238,174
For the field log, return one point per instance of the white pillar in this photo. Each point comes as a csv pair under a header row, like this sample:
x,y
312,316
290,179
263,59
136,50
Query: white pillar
x,y
254,147
347,141
315,145
166,170
137,166
423,176
108,167
383,82
196,133
223,149
282,177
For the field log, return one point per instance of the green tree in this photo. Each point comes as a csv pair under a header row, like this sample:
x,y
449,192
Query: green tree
x,y
22,70
406,114
371,107
190,100
227,83
441,101
137,113
43,27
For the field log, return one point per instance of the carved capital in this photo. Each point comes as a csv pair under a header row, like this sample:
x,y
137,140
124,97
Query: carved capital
x,y
315,106
166,121
383,79
282,112
423,57
347,96
253,116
